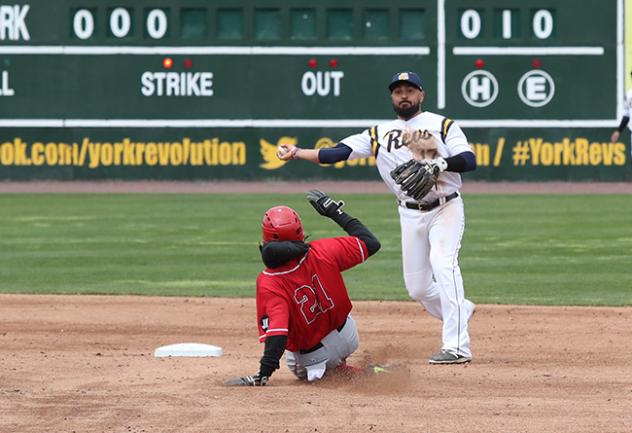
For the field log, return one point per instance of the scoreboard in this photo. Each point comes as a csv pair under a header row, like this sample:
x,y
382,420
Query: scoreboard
x,y
297,67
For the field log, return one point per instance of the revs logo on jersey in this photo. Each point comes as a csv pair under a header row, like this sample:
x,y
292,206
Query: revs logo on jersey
x,y
265,323
392,139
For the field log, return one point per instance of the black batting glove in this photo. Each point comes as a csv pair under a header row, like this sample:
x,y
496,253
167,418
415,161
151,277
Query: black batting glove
x,y
255,380
324,205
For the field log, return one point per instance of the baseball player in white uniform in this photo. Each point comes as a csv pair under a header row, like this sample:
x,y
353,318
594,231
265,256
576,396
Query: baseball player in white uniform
x,y
627,108
431,229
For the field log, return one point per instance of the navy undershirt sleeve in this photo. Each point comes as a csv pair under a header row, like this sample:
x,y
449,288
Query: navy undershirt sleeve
x,y
465,161
330,155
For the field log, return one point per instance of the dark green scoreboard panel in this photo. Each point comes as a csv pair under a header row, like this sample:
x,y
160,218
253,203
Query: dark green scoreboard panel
x,y
531,60
79,72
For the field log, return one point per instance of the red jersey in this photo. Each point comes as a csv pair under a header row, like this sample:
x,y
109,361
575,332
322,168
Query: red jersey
x,y
306,298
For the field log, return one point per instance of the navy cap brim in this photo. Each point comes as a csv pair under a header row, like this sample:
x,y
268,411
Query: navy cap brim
x,y
396,83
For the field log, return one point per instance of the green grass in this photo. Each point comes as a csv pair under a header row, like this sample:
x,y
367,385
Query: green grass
x,y
527,249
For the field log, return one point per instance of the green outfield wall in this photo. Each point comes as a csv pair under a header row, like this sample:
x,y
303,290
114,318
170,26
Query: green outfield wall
x,y
192,89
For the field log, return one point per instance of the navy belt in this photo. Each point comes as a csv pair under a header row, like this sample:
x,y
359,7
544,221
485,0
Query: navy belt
x,y
425,207
319,345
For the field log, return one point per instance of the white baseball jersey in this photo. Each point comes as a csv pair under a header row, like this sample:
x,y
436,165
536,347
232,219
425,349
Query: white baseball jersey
x,y
437,284
384,142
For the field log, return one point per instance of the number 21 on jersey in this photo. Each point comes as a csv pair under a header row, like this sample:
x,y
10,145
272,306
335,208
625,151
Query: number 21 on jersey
x,y
313,300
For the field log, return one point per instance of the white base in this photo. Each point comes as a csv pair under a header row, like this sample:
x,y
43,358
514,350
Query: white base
x,y
188,349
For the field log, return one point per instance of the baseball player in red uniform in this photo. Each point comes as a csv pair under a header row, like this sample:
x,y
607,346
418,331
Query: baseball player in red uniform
x,y
303,308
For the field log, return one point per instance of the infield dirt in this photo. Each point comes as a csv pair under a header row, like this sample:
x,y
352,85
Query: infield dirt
x,y
85,364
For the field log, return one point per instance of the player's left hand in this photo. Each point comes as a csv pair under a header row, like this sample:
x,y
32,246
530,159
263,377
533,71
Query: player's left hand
x,y
324,205
255,380
437,165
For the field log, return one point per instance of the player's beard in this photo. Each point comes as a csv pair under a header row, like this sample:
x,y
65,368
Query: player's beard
x,y
407,112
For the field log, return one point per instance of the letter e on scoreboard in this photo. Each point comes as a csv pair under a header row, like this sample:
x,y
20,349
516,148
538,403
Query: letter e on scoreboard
x,y
536,88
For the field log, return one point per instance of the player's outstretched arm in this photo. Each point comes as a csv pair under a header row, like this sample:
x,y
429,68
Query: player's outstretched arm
x,y
330,208
318,156
286,153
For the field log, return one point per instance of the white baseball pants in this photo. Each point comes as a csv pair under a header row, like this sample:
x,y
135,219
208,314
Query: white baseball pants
x,y
336,347
430,247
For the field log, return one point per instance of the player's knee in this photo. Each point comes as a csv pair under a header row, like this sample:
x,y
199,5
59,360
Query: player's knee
x,y
292,364
416,294
418,286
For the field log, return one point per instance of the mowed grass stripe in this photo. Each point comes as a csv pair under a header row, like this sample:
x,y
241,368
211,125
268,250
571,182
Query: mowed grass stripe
x,y
522,249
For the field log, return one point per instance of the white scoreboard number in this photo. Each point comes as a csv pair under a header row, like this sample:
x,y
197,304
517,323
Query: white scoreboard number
x,y
542,23
120,23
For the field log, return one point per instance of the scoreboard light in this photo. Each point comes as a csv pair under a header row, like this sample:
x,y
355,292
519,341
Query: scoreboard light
x,y
333,63
536,63
479,63
188,63
312,63
167,62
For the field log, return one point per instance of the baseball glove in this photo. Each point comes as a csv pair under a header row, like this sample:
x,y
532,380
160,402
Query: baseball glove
x,y
416,178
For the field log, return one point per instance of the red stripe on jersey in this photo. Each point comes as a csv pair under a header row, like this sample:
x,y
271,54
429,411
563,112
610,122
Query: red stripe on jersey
x,y
360,244
272,333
